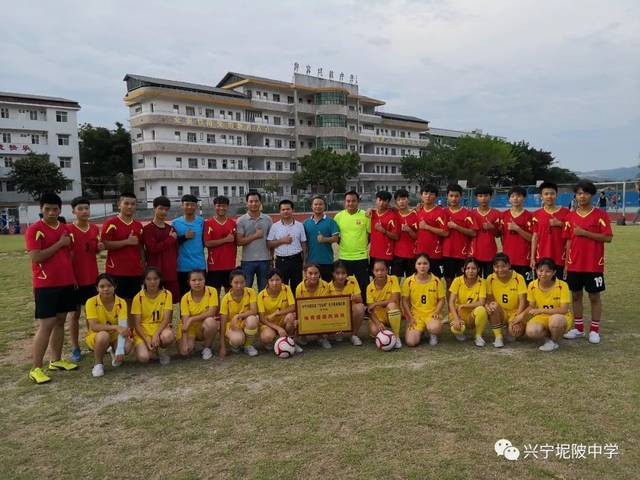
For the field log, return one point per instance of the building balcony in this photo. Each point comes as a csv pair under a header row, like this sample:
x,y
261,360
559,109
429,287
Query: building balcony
x,y
322,131
270,106
388,140
374,157
216,149
208,174
370,118
378,177
327,109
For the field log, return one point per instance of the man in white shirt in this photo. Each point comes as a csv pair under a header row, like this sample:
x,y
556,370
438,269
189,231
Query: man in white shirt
x,y
289,240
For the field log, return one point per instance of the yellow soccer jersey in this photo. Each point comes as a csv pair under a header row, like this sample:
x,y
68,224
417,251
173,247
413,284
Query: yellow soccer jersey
x,y
351,287
507,294
424,296
267,304
230,307
95,310
466,294
151,309
554,297
191,308
384,294
321,291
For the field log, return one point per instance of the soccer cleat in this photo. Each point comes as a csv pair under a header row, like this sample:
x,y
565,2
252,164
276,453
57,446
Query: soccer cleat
x,y
38,376
76,355
398,344
433,340
461,338
97,370
573,334
594,337
549,346
479,341
324,343
498,342
355,341
250,350
206,353
164,358
62,365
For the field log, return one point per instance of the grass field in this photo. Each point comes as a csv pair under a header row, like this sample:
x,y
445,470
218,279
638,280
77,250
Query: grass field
x,y
344,413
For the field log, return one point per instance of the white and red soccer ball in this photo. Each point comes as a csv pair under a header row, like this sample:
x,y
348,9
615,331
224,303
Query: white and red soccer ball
x,y
284,347
385,340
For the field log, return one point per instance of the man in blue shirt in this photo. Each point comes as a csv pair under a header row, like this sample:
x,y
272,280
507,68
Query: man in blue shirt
x,y
322,232
190,229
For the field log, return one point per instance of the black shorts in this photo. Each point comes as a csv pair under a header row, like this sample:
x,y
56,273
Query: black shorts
x,y
452,266
526,272
436,266
128,286
218,279
360,270
486,268
403,267
51,301
592,282
84,293
326,272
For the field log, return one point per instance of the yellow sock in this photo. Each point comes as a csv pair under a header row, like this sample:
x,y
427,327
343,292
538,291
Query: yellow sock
x,y
481,319
395,317
458,332
250,334
497,331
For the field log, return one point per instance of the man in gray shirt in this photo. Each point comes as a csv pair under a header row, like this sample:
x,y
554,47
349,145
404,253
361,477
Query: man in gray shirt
x,y
288,238
251,234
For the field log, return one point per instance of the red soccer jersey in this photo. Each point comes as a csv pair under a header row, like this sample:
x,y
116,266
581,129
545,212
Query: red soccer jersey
x,y
125,261
405,246
457,244
381,245
585,254
428,242
483,245
517,248
84,249
222,257
550,239
161,249
57,270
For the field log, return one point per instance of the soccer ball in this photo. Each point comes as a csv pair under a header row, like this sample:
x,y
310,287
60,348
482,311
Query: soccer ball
x,y
385,340
284,347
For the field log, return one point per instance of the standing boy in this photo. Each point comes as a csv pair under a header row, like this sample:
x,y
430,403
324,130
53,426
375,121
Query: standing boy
x,y
432,229
190,230
516,233
220,240
547,223
483,246
404,249
385,230
462,228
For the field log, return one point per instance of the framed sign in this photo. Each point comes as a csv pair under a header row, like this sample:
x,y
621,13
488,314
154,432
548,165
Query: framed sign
x,y
323,314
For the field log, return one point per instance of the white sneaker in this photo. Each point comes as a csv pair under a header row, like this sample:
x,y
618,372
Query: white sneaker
x,y
573,334
207,353
594,337
251,351
298,348
398,344
163,358
114,363
461,338
355,341
498,342
549,346
97,370
479,341
433,340
324,343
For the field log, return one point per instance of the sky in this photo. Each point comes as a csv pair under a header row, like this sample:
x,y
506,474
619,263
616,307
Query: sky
x,y
562,75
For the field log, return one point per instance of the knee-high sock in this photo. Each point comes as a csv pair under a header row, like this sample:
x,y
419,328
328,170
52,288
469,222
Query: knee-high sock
x,y
481,319
121,339
250,334
395,317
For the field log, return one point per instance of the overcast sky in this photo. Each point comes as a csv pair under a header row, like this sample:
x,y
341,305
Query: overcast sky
x,y
563,75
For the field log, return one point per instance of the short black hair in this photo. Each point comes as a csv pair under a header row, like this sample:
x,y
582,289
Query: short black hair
x,y
221,200
197,271
319,197
383,195
586,186
484,190
128,195
546,184
430,188
402,193
501,257
454,187
273,272
352,192
161,202
253,193
80,201
517,190
340,265
286,201
50,199
548,262
189,198
236,273
107,277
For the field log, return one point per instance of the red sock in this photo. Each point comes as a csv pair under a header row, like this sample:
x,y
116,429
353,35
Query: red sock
x,y
595,326
578,323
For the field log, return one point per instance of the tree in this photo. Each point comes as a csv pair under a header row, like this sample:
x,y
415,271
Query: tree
x,y
434,165
105,158
35,174
483,160
324,170
532,164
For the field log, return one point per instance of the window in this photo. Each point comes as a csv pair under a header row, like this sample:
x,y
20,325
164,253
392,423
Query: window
x,y
238,117
213,192
33,114
393,151
277,121
191,111
155,162
331,121
11,187
402,152
35,139
222,113
293,166
258,93
8,162
292,144
211,138
194,191
331,98
68,186
193,163
6,138
180,190
278,143
209,112
332,142
153,134
223,138
402,135
393,170
393,133
241,190
238,140
233,191
151,107
230,113
268,165
276,97
278,166
191,137
249,93
301,122
292,122
265,118
300,100
176,136
225,189
309,123
63,140
61,117
352,108
240,165
140,160
225,163
163,191
212,163
266,142
65,162
179,162
176,109
289,99
4,112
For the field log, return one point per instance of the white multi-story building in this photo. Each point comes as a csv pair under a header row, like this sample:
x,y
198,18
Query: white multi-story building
x,y
248,131
34,123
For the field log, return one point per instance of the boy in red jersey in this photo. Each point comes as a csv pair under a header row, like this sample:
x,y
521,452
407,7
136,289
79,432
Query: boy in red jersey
x,y
404,250
85,246
547,224
432,228
122,238
49,246
462,228
220,240
516,234
586,229
161,246
385,230
483,245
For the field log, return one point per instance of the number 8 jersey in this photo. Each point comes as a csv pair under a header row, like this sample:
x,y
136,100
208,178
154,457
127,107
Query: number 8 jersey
x,y
423,296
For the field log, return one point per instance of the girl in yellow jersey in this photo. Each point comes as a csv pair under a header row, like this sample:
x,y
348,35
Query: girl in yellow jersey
x,y
466,303
313,286
549,299
383,302
423,296
198,309
239,316
276,307
506,299
104,312
152,310
342,284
